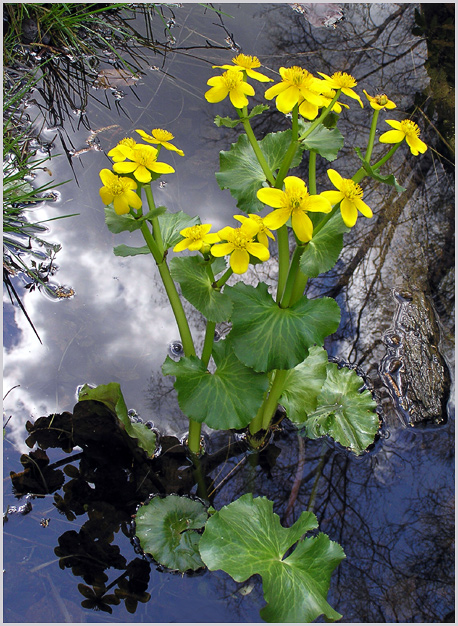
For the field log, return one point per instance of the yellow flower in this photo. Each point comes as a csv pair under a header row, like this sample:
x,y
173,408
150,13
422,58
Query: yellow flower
x,y
240,244
343,81
116,154
119,190
230,84
380,101
263,232
246,63
297,85
293,203
407,130
349,195
161,137
143,162
196,238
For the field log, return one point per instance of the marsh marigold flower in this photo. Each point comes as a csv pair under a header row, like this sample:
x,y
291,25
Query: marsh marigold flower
x,y
116,153
407,130
161,137
380,101
120,191
246,63
196,237
263,231
294,202
142,161
349,195
239,243
297,86
230,84
343,81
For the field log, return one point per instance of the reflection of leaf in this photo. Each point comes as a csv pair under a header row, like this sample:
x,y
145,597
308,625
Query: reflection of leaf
x,y
167,527
115,78
246,538
37,476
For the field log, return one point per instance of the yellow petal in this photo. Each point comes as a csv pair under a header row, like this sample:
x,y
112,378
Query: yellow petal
x,y
120,205
307,110
216,94
238,98
335,178
162,168
258,76
416,145
106,195
349,212
302,226
142,174
182,245
362,207
259,251
226,233
334,197
133,199
295,185
221,249
107,177
277,218
273,91
394,124
319,204
271,197
392,136
352,94
124,167
240,260
287,99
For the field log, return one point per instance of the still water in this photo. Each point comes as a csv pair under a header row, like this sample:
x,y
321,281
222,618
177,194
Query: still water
x,y
392,509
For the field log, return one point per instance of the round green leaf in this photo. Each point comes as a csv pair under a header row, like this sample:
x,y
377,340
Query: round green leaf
x,y
241,173
323,250
229,398
166,530
344,413
326,141
246,538
196,287
266,337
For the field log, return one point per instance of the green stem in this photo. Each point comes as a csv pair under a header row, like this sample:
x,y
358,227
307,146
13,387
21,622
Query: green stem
x,y
271,403
298,287
322,116
208,342
224,278
254,144
256,423
293,270
283,260
154,220
370,143
312,172
387,156
194,436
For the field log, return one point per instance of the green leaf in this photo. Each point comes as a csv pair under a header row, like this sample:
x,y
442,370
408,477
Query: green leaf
x,y
111,396
266,337
241,173
229,398
388,179
230,123
327,142
196,287
167,527
171,224
123,250
246,538
303,384
342,412
117,223
322,251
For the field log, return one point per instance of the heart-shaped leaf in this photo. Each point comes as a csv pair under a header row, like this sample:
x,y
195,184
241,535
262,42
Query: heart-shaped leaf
x,y
167,528
241,173
229,398
326,141
323,250
246,538
266,337
196,287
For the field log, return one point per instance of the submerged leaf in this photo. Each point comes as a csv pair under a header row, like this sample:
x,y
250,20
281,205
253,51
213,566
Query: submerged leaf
x,y
167,528
246,538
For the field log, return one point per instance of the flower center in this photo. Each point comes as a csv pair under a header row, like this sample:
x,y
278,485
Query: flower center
x,y
232,78
128,141
118,187
297,76
344,80
240,240
162,135
351,189
145,156
410,128
195,232
381,99
246,61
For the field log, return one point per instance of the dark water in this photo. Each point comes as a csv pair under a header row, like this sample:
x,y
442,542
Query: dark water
x,y
392,509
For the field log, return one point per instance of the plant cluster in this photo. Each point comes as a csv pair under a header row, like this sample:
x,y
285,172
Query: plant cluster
x,y
274,351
